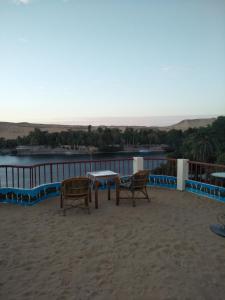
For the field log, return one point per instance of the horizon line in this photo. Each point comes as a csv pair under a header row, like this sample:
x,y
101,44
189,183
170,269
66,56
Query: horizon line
x,y
160,121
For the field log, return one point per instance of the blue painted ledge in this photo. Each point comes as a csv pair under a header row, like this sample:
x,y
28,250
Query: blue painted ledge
x,y
32,196
206,190
29,196
160,180
163,181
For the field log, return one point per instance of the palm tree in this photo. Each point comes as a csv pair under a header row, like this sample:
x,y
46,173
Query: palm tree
x,y
200,146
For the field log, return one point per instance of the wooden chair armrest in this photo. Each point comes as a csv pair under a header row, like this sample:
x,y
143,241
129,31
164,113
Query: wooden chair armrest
x,y
126,179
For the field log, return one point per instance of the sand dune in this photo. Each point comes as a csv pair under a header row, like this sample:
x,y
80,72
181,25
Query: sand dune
x,y
192,123
11,130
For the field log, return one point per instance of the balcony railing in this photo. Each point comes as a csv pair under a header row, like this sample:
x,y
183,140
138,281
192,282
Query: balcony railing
x,y
203,172
161,166
27,185
35,175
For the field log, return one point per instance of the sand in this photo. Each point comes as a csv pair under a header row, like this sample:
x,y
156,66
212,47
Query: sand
x,y
161,250
11,130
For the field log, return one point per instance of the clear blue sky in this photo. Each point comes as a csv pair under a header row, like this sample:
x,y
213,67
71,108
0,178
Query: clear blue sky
x,y
64,60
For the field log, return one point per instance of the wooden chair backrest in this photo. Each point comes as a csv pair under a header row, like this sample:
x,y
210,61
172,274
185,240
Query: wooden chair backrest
x,y
140,180
75,186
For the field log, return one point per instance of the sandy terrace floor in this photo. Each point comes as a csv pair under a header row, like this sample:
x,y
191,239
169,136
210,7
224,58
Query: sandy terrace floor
x,y
161,250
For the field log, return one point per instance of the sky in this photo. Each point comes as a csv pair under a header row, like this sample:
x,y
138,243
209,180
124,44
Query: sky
x,y
111,61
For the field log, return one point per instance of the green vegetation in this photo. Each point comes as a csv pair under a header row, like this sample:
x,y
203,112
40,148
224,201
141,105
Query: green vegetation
x,y
201,144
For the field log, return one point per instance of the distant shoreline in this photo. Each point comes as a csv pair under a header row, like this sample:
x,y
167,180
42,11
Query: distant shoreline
x,y
39,150
70,153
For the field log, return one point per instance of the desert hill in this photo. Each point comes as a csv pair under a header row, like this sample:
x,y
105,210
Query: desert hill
x,y
10,130
192,123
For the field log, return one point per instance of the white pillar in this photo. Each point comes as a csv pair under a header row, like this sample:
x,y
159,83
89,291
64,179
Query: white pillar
x,y
182,173
138,164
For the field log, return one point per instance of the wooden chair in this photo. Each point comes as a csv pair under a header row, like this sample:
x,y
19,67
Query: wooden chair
x,y
136,183
73,190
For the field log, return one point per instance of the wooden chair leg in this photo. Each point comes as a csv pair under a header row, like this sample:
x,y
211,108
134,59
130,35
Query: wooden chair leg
x,y
133,200
62,205
96,196
117,182
64,211
146,192
87,204
61,201
108,191
90,198
117,196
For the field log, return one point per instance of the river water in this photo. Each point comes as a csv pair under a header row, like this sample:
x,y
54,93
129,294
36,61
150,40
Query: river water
x,y
35,159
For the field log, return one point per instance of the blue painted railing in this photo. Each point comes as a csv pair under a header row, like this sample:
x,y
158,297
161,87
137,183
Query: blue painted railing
x,y
204,189
32,196
163,181
29,196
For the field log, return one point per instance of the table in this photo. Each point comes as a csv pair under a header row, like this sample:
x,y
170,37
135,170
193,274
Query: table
x,y
219,228
106,174
219,174
219,178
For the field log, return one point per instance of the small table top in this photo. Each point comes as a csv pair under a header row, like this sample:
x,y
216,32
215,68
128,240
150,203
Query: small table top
x,y
219,174
105,174
218,229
